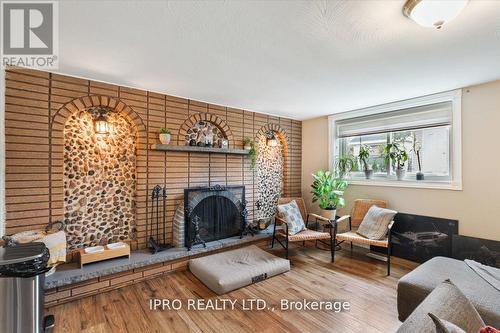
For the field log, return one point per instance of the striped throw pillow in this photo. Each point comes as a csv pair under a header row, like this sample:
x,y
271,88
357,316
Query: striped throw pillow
x,y
290,212
376,222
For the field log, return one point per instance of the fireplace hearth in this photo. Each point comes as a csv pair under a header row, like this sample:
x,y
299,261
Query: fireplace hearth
x,y
213,213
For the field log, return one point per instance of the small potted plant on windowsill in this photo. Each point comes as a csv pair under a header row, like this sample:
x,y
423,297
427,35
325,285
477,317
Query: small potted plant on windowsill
x,y
164,136
417,147
364,154
328,190
344,166
395,153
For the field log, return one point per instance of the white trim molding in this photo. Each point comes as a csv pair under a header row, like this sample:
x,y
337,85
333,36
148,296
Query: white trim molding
x,y
454,96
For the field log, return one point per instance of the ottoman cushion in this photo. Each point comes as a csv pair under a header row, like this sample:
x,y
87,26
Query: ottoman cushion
x,y
227,271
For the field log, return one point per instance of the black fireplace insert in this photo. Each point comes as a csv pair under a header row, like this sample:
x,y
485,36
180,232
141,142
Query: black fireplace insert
x,y
214,212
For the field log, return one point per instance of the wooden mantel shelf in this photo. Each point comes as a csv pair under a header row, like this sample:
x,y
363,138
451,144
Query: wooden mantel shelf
x,y
196,149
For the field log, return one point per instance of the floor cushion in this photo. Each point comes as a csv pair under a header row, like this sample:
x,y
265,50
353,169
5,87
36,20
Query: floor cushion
x,y
227,271
416,285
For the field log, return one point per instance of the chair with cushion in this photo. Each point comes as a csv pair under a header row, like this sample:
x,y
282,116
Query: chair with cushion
x,y
291,213
358,213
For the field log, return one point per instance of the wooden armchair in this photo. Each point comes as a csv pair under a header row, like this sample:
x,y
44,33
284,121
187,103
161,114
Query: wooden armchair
x,y
282,236
359,210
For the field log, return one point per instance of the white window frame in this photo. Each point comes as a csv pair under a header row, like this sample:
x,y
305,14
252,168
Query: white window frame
x,y
454,96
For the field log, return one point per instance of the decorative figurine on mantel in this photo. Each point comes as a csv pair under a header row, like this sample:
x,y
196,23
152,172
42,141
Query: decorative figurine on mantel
x,y
209,139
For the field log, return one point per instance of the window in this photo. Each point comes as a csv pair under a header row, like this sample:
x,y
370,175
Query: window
x,y
426,129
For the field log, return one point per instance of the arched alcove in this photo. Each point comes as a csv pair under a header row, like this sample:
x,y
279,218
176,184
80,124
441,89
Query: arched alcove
x,y
99,179
91,213
271,169
193,122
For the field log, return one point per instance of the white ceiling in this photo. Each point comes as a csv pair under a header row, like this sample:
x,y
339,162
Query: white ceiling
x,y
300,59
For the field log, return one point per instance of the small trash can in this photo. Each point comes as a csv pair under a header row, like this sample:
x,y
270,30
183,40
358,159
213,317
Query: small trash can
x,y
22,277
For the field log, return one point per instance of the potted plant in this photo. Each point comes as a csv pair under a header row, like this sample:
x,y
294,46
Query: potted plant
x,y
417,147
164,136
248,143
344,165
395,153
364,154
328,190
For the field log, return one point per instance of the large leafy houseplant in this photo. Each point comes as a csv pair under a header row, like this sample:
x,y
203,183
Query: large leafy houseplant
x,y
328,191
396,154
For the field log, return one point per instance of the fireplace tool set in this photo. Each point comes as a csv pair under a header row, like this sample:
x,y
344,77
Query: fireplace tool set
x,y
156,234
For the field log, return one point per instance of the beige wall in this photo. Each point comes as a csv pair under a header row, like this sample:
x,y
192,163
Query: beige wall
x,y
314,154
477,206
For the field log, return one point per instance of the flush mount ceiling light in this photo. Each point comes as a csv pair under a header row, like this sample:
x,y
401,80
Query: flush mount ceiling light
x,y
433,13
101,123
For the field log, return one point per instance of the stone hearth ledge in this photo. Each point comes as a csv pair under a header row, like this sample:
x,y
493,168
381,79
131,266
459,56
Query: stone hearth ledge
x,y
68,274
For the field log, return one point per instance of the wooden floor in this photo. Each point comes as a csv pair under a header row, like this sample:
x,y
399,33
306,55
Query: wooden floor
x,y
355,278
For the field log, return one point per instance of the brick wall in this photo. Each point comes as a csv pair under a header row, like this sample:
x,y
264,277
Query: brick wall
x,y
38,103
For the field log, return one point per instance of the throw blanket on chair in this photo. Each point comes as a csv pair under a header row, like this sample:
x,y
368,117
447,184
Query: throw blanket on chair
x,y
488,273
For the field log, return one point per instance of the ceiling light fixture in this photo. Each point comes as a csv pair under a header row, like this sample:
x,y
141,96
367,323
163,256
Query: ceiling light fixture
x,y
433,13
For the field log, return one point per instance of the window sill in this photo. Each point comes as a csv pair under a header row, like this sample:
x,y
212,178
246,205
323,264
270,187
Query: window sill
x,y
454,186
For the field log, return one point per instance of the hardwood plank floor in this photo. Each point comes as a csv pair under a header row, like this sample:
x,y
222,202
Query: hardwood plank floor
x,y
354,278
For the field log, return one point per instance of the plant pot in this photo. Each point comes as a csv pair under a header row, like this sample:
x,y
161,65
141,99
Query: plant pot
x,y
420,175
329,213
368,174
262,224
164,138
247,147
400,174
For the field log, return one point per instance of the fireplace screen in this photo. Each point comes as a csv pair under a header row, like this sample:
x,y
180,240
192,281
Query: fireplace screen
x,y
213,213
